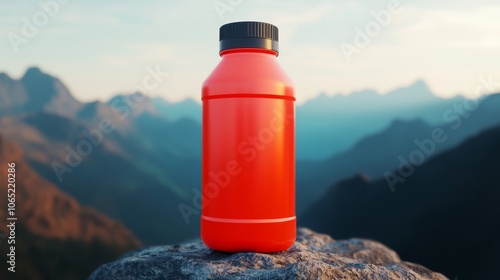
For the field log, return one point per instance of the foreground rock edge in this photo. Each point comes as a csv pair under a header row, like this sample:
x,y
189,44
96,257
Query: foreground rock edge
x,y
313,256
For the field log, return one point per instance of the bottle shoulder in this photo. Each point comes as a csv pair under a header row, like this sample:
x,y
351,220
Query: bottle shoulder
x,y
256,73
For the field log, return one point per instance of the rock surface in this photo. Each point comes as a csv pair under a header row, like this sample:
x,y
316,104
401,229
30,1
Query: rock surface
x,y
313,256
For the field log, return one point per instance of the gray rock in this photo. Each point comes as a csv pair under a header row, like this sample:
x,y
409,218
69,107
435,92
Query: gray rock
x,y
313,256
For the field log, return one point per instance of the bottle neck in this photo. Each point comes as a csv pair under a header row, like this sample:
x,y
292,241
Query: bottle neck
x,y
248,50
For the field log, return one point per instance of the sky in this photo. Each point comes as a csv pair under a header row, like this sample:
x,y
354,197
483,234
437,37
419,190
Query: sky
x,y
102,48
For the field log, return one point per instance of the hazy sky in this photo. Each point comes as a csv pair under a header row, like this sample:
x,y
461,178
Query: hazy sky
x,y
100,48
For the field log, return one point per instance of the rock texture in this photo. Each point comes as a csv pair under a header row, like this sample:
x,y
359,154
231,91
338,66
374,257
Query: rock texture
x,y
313,256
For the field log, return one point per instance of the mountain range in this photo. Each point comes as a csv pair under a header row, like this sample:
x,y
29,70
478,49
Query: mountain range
x,y
140,159
34,92
380,152
136,159
445,215
335,123
56,237
187,108
343,119
159,143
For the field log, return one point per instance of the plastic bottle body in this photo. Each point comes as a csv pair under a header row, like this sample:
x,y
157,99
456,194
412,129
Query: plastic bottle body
x,y
248,169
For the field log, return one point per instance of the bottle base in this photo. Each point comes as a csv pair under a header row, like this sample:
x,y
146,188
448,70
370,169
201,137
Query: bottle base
x,y
239,235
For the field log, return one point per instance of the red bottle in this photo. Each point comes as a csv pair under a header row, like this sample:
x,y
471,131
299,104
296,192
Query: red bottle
x,y
248,170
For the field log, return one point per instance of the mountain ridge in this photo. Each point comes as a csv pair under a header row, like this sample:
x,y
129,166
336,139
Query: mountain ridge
x,y
413,94
50,221
451,199
36,190
35,91
382,151
143,156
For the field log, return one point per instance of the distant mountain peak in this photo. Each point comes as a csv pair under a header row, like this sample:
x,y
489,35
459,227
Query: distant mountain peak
x,y
189,100
368,100
35,74
36,91
322,95
4,76
418,91
33,70
137,94
137,103
186,108
420,82
421,85
90,109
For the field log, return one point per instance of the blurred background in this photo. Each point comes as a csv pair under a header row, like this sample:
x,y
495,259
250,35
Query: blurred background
x,y
398,125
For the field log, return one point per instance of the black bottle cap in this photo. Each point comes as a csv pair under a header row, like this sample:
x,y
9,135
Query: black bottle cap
x,y
248,34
